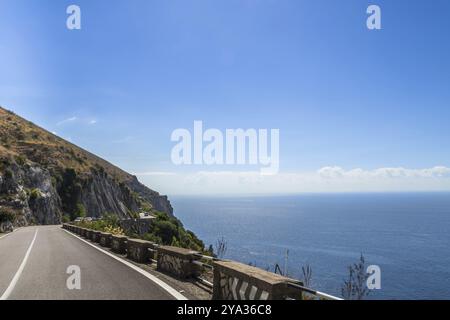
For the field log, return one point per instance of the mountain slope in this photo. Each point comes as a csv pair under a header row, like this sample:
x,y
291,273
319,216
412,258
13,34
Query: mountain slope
x,y
43,177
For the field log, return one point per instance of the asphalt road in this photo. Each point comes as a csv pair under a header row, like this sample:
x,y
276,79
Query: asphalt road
x,y
34,262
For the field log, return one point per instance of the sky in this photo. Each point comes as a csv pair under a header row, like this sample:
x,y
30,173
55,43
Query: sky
x,y
357,109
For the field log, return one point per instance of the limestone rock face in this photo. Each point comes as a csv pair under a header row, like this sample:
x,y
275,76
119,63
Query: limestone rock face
x,y
159,202
101,194
6,226
29,192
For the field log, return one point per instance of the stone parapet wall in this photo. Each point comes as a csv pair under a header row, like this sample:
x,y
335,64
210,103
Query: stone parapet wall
x,y
178,262
119,244
138,250
237,281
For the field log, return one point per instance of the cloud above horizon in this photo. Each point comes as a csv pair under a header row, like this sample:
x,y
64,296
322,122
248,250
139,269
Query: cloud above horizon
x,y
338,172
326,179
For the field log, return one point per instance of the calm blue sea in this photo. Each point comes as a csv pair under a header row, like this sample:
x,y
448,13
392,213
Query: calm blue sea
x,y
406,234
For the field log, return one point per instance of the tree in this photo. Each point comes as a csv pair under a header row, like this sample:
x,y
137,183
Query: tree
x,y
307,275
221,247
166,231
210,250
355,287
81,211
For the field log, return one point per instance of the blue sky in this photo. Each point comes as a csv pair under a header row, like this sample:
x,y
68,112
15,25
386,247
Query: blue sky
x,y
347,99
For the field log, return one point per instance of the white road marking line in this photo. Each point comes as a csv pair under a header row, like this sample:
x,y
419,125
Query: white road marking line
x,y
4,236
9,233
16,278
149,276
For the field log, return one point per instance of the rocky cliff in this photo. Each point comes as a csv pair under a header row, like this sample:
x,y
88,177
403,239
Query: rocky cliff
x,y
44,178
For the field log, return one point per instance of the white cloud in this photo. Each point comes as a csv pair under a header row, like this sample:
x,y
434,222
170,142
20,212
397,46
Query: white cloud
x,y
68,120
327,179
338,172
73,119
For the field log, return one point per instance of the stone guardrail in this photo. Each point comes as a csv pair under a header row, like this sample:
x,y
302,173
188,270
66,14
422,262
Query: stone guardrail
x,y
119,244
231,281
95,236
238,281
138,250
105,239
178,262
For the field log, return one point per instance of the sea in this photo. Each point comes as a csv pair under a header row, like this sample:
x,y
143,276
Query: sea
x,y
407,235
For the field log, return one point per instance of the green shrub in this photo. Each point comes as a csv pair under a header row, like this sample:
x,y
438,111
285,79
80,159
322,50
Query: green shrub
x,y
35,194
168,230
7,214
111,219
9,174
146,207
152,237
21,160
81,211
165,230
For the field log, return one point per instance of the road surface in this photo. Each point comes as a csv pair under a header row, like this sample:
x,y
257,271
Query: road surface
x,y
34,262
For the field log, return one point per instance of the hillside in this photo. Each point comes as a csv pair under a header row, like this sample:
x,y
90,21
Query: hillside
x,y
44,178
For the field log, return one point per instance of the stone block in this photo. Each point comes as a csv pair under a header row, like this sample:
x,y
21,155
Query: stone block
x,y
237,281
137,250
178,262
119,244
105,239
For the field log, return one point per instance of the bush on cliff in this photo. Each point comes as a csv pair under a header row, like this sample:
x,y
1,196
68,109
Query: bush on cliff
x,y
168,230
7,215
35,194
80,211
165,230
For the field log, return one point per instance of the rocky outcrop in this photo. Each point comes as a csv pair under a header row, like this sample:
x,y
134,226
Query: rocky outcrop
x,y
6,226
100,194
29,192
159,202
